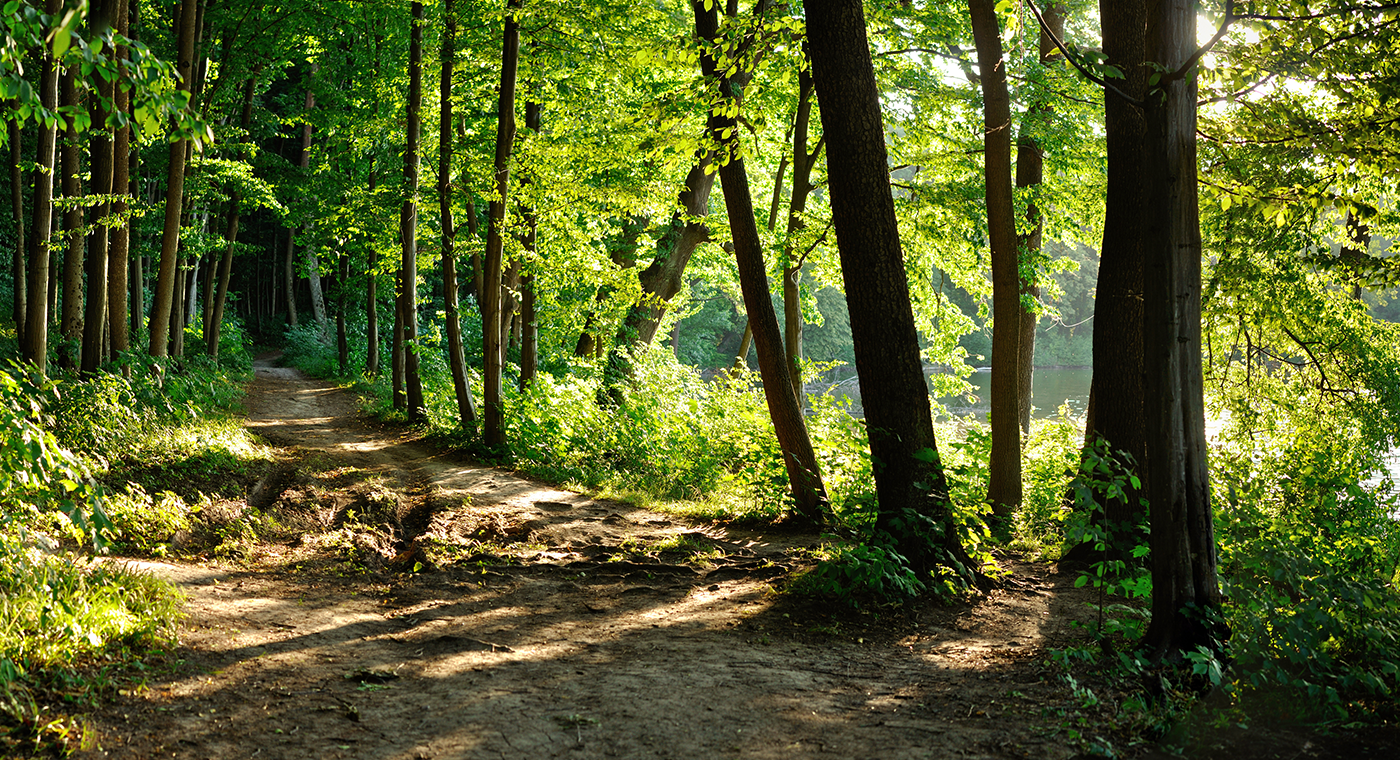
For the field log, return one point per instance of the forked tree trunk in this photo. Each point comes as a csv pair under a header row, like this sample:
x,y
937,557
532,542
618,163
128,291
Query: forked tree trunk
x,y
1004,470
494,432
174,197
910,478
802,163
466,405
804,474
408,221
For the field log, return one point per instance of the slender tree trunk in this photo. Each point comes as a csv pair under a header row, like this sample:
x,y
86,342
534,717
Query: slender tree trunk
x,y
1185,586
1004,486
100,162
71,324
408,220
174,196
36,328
909,476
118,264
1030,172
804,473
289,278
456,359
741,359
231,221
372,302
342,339
802,163
313,264
529,332
17,256
494,431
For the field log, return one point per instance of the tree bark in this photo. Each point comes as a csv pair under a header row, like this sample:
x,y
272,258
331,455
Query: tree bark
x,y
17,256
71,321
216,312
313,263
1030,172
491,318
1185,586
100,154
1004,470
802,163
342,339
118,264
372,301
174,197
804,474
456,359
408,221
909,477
36,328
529,330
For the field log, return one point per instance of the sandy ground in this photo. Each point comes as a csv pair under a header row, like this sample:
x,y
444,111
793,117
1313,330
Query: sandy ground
x,y
317,647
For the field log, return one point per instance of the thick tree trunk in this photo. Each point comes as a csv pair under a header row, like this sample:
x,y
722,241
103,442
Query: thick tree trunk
x,y
17,256
456,359
118,264
799,459
71,320
494,431
372,302
174,197
100,163
1030,172
1185,587
342,339
909,476
408,220
216,312
1004,470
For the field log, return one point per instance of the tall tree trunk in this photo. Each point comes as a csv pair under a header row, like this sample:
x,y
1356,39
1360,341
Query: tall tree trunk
x,y
494,432
100,162
408,220
1118,303
289,278
342,339
216,312
802,163
118,264
36,328
71,322
456,359
174,196
372,300
1004,476
529,331
1030,172
804,473
1185,586
909,477
313,264
17,256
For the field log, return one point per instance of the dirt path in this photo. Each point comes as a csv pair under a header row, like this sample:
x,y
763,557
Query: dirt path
x,y
327,644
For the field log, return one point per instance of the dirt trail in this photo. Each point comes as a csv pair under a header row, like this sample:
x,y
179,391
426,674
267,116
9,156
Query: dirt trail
x,y
299,652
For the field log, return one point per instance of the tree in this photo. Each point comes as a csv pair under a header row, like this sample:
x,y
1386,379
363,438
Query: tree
x,y
174,195
466,406
408,221
494,432
118,305
1004,470
101,154
909,479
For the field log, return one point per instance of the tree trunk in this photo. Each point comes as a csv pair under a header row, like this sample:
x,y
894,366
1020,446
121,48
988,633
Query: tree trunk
x,y
804,473
802,163
17,256
71,321
342,339
529,331
491,317
36,327
466,405
408,220
1030,172
909,477
372,301
174,196
1004,470
100,163
118,264
1185,586
313,264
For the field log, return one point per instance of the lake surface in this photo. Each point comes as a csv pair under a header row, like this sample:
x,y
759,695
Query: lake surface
x,y
1050,388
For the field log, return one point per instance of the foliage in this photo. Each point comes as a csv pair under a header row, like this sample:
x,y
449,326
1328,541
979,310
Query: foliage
x,y
853,573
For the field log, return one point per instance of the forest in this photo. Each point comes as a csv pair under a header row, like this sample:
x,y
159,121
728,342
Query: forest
x,y
756,292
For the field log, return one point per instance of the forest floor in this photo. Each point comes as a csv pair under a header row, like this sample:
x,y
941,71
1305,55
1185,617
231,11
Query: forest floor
x,y
565,626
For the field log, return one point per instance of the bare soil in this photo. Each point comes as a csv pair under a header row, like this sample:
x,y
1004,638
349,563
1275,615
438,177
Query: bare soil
x,y
418,605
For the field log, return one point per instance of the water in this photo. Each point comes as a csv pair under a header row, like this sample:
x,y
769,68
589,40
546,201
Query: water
x,y
1050,388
